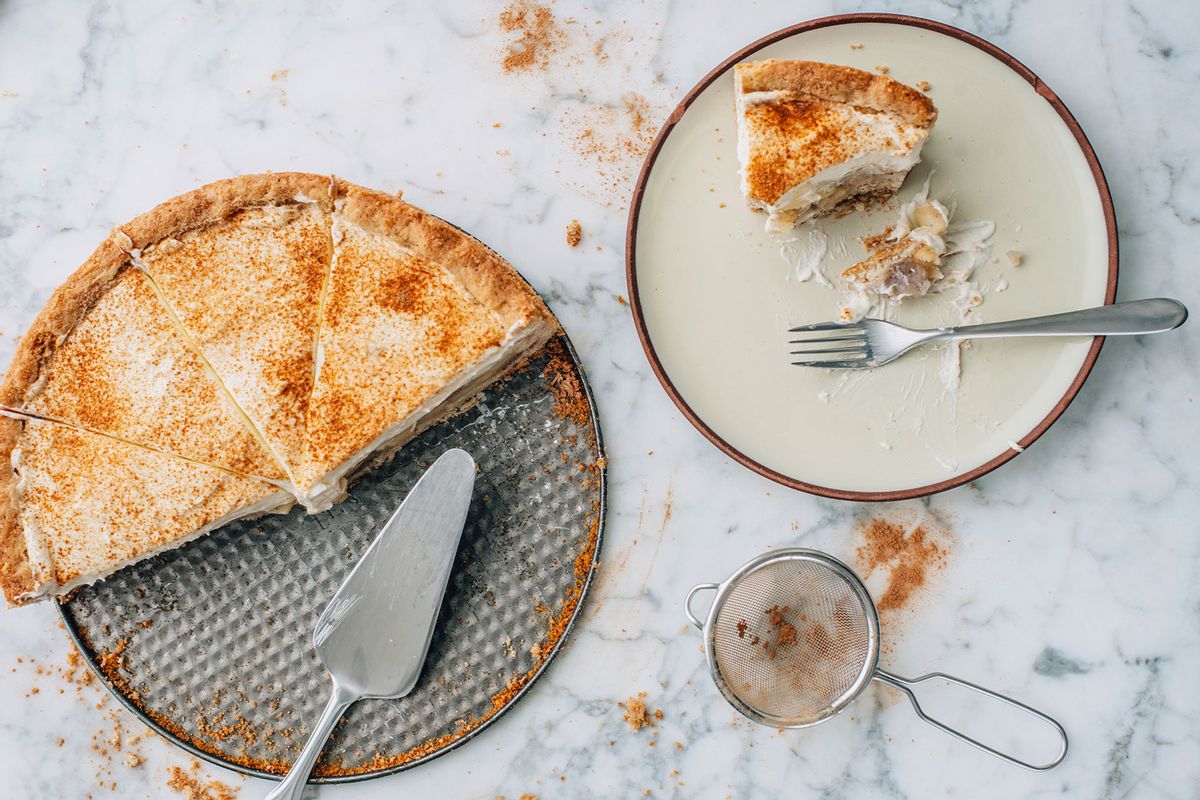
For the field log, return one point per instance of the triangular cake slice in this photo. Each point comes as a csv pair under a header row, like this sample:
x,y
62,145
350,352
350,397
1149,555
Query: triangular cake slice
x,y
815,139
242,264
419,319
106,356
76,506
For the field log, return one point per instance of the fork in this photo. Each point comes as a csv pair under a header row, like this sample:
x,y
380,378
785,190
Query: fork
x,y
873,342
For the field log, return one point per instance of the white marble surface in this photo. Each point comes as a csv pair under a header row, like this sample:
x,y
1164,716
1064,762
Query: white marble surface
x,y
1074,577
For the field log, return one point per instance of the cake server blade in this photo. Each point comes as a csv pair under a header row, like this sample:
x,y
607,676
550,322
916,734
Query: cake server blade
x,y
374,634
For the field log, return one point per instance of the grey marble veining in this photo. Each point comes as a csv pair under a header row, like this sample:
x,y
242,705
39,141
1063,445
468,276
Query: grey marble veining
x,y
1074,578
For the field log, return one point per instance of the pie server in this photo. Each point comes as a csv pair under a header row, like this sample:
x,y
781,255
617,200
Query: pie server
x,y
374,634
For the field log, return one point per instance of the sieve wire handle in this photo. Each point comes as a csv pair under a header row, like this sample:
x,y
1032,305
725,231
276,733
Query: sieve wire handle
x,y
906,685
687,604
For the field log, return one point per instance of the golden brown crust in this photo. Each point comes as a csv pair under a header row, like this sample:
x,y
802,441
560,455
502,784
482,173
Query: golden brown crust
x,y
69,304
835,83
16,578
217,201
71,301
488,277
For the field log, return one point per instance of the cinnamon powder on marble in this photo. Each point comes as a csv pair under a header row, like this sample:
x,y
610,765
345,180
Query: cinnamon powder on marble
x,y
192,784
537,36
910,557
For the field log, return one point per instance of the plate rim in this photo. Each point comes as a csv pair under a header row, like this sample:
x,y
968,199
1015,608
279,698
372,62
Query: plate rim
x,y
639,320
77,638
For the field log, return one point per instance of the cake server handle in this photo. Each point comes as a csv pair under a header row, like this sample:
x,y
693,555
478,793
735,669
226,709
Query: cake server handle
x,y
292,786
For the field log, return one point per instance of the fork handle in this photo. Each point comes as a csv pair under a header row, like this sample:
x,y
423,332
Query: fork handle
x,y
1119,319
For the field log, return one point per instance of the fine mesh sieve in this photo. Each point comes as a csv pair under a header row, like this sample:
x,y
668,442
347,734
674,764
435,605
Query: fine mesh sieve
x,y
792,638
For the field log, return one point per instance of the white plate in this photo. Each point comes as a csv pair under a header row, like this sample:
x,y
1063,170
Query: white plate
x,y
713,297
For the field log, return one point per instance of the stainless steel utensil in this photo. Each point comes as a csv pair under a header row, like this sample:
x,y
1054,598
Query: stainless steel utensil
x,y
873,342
374,634
792,638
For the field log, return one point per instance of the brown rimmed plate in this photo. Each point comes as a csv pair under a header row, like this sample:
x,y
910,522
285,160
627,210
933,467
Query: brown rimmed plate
x,y
713,297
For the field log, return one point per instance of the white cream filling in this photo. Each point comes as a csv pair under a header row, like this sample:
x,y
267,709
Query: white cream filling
x,y
332,486
280,502
807,196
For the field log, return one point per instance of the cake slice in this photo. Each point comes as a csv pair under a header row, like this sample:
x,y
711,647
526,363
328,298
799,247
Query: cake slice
x,y
419,319
76,506
815,139
242,264
106,356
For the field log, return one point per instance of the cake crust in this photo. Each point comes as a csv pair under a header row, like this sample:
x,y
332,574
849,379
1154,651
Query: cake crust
x,y
16,575
835,83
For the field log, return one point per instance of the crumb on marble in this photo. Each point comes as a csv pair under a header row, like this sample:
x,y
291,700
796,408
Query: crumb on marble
x,y
636,715
574,233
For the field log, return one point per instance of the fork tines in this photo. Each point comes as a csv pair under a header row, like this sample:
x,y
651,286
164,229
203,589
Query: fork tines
x,y
837,344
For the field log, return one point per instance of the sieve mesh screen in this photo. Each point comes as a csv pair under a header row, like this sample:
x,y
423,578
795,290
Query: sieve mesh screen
x,y
791,639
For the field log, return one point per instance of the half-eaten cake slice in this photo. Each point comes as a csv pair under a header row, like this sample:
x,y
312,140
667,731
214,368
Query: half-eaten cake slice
x,y
816,139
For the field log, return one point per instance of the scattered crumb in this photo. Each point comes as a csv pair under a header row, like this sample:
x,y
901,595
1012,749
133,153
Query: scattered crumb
x,y
528,796
133,760
497,125
637,716
883,70
923,86
1015,257
574,233
193,786
856,46
679,745
280,75
622,300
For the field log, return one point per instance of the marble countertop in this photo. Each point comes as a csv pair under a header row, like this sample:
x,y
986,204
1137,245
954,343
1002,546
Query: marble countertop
x,y
1071,576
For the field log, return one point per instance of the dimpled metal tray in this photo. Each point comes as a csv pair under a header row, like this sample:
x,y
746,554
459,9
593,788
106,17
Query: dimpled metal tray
x,y
211,644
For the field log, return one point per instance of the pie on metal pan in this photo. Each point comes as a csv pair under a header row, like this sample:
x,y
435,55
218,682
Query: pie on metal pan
x,y
240,348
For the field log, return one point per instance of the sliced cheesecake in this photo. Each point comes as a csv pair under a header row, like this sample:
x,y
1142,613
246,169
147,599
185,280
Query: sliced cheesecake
x,y
816,139
419,318
76,506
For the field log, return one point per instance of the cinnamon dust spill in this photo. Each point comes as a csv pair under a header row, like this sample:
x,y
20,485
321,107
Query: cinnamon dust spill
x,y
115,742
574,233
908,554
536,36
636,715
570,400
613,140
195,786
